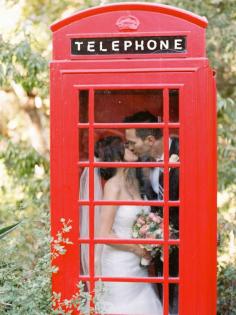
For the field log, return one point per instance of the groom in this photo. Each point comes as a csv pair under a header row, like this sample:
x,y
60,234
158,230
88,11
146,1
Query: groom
x,y
148,144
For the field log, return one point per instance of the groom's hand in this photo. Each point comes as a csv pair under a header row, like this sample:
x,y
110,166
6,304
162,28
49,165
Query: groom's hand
x,y
146,254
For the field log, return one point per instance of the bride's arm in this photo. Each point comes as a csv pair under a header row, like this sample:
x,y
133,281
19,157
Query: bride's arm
x,y
111,192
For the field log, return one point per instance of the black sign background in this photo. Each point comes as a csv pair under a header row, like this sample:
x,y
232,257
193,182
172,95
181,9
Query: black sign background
x,y
105,46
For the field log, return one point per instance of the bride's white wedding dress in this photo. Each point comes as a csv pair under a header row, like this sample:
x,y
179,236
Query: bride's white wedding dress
x,y
126,297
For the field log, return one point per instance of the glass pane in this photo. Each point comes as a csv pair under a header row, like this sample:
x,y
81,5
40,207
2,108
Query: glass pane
x,y
174,134
84,221
174,184
83,193
128,260
174,105
137,182
129,183
125,103
173,299
145,144
83,144
83,106
84,259
174,171
174,222
158,264
174,261
129,298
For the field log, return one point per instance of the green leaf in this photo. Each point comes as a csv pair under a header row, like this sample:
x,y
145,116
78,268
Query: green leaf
x,y
4,231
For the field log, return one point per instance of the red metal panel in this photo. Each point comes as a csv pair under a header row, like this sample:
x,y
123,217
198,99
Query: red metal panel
x,y
154,19
64,181
91,193
193,246
188,199
207,216
164,9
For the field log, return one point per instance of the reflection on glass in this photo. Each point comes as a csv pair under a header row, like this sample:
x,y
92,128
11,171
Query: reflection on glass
x,y
173,299
174,105
129,298
84,259
125,103
174,261
83,144
83,106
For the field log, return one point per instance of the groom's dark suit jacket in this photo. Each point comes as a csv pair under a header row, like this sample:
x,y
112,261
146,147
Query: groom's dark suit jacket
x,y
173,216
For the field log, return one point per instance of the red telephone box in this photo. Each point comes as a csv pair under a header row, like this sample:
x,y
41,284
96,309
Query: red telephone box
x,y
110,62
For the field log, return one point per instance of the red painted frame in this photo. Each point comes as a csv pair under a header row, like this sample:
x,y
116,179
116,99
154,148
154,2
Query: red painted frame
x,y
194,78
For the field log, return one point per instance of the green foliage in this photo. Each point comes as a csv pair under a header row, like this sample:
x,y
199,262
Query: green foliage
x,y
226,143
25,266
227,255
23,65
227,289
80,301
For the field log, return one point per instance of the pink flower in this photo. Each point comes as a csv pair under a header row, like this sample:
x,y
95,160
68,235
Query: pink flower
x,y
151,215
143,229
141,220
157,219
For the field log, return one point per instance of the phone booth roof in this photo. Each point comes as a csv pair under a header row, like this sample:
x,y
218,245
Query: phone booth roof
x,y
129,20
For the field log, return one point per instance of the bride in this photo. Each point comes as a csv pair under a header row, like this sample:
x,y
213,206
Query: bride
x,y
120,260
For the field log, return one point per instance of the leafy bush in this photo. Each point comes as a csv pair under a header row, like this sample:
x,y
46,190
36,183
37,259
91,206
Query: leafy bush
x,y
25,266
227,254
227,289
25,269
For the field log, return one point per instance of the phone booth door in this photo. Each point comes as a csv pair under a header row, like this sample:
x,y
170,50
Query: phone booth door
x,y
89,113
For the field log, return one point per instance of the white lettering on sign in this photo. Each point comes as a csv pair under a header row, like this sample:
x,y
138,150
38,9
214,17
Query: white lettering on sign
x,y
139,45
178,44
129,45
115,45
78,44
101,47
164,44
152,45
91,46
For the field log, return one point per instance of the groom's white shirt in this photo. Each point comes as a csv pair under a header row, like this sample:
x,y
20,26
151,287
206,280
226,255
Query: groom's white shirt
x,y
155,174
154,177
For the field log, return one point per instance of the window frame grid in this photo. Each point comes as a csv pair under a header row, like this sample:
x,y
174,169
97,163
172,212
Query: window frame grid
x,y
165,242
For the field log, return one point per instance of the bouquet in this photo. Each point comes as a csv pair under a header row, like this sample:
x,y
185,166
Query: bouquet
x,y
148,225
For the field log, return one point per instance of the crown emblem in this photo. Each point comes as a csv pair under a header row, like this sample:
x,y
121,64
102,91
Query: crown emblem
x,y
127,23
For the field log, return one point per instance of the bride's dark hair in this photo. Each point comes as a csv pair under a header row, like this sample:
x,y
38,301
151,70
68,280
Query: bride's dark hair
x,y
112,149
109,149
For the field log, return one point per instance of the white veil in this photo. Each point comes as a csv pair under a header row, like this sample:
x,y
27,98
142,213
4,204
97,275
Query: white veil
x,y
84,219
